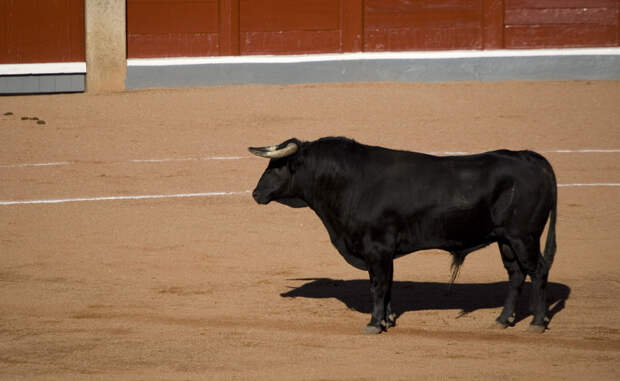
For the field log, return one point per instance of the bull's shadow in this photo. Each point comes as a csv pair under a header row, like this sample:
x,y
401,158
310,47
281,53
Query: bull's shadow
x,y
416,296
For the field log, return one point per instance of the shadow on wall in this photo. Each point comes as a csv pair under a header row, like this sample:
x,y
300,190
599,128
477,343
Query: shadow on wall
x,y
417,296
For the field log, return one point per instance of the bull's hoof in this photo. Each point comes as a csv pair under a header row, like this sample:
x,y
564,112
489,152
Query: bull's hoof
x,y
502,323
390,321
498,325
372,330
536,328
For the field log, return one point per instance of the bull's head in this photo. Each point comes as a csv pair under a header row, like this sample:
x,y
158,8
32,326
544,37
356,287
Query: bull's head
x,y
279,182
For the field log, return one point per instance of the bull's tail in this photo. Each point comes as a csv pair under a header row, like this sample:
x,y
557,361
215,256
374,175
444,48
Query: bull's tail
x,y
550,244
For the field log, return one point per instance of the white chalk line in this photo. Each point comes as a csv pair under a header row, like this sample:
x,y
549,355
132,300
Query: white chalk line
x,y
122,198
582,151
540,151
53,164
207,158
163,160
166,160
205,194
589,185
366,56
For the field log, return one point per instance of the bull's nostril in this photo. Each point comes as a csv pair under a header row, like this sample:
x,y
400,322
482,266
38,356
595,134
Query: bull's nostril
x,y
255,194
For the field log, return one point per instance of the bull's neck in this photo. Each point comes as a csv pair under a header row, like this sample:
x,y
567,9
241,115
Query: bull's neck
x,y
329,192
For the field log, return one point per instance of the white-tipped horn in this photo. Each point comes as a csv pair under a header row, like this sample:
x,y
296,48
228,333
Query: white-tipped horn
x,y
272,152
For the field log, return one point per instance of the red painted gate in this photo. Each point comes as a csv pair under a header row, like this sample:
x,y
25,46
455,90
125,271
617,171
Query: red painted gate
x,y
33,31
169,28
53,30
173,28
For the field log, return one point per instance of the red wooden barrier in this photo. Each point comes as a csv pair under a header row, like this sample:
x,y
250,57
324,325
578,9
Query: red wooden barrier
x,y
53,30
229,28
493,24
561,23
393,25
34,31
165,28
284,26
352,25
168,28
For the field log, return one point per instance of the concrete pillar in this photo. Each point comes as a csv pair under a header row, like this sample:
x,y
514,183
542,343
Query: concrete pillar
x,y
106,64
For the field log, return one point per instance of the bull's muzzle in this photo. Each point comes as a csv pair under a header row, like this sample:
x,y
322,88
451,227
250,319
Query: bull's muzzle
x,y
259,198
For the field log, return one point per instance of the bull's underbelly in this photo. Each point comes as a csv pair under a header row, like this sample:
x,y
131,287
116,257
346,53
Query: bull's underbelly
x,y
457,231
411,244
360,263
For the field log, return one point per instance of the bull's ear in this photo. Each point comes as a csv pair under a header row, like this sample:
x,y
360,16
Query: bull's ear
x,y
275,152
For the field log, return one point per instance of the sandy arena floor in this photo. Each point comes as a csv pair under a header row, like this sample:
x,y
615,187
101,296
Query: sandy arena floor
x,y
218,287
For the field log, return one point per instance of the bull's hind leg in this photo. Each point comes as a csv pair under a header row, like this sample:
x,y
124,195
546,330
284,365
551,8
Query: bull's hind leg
x,y
515,284
528,255
381,275
390,317
538,298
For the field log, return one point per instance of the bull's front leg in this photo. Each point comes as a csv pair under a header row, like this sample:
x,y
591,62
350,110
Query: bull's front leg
x,y
381,274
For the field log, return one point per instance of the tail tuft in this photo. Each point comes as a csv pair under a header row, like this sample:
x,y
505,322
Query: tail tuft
x,y
457,261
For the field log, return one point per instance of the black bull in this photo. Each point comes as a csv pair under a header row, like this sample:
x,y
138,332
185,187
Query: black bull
x,y
379,204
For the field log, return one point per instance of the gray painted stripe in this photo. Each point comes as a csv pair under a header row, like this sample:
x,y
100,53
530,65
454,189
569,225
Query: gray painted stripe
x,y
44,83
483,68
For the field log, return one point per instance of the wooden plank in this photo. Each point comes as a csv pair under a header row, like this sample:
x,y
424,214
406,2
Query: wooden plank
x,y
544,4
600,16
425,18
493,24
290,42
428,25
172,45
398,6
162,1
42,31
559,36
562,23
229,27
403,39
170,17
286,15
77,30
169,28
5,53
352,24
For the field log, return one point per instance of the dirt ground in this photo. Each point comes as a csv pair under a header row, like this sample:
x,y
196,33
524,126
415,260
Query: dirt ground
x,y
218,287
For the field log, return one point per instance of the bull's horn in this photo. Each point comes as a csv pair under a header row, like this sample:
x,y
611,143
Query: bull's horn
x,y
272,152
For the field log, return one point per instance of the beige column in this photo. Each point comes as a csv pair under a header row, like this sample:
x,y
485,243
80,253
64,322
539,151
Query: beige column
x,y
106,64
